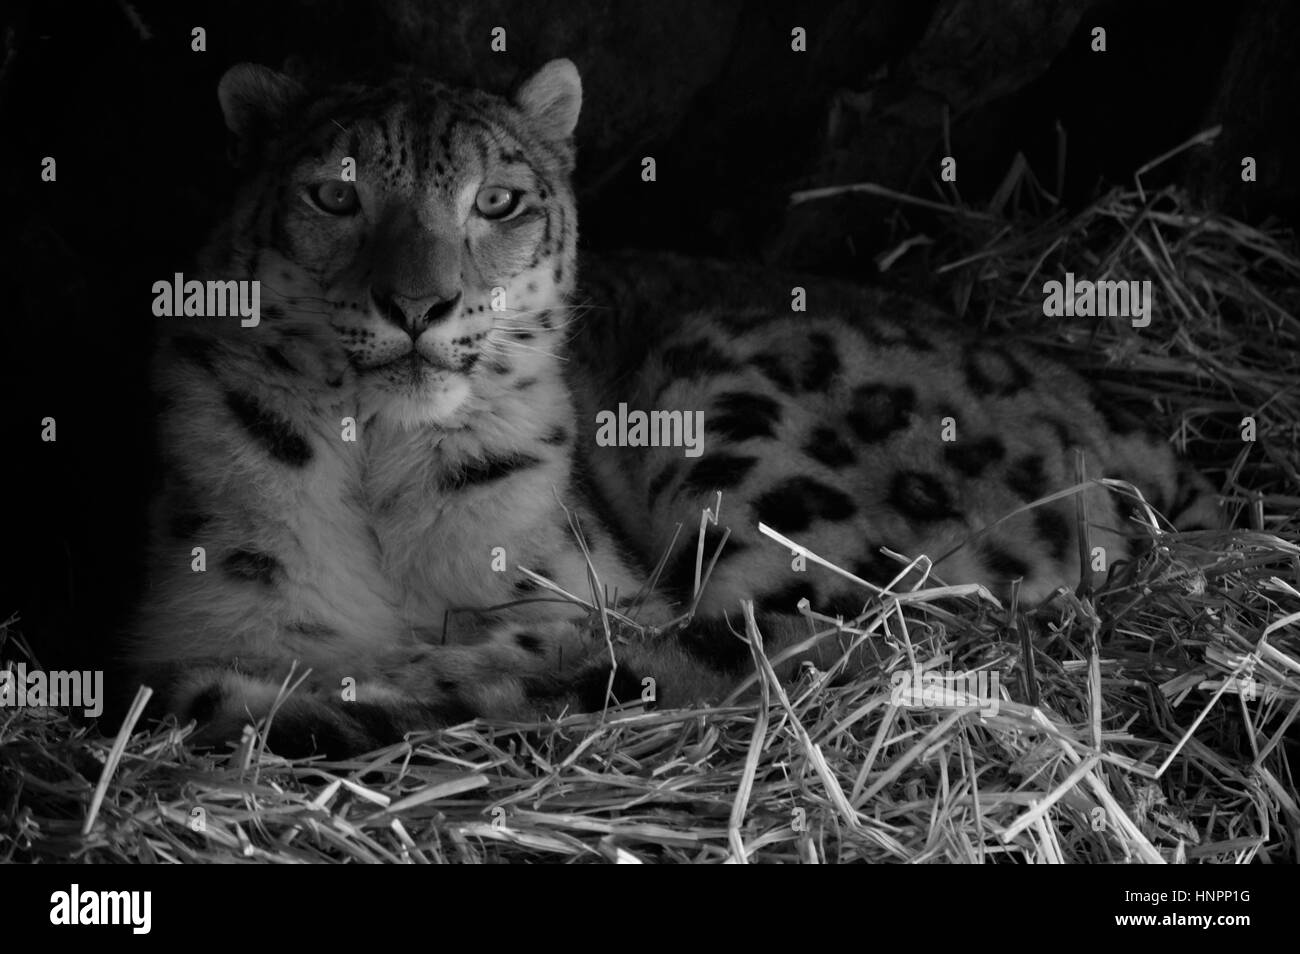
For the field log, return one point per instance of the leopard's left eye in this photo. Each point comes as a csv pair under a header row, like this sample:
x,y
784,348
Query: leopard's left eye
x,y
336,197
496,202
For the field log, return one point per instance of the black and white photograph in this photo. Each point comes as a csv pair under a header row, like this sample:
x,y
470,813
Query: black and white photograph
x,y
673,432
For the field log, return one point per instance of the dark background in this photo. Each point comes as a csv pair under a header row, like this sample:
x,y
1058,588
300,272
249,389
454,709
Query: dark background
x,y
735,120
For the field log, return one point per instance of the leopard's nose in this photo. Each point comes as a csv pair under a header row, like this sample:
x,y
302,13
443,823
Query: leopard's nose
x,y
414,315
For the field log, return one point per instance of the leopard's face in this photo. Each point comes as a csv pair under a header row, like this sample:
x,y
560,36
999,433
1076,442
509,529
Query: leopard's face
x,y
425,233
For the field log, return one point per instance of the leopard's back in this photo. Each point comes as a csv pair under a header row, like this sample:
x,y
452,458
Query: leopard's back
x,y
873,421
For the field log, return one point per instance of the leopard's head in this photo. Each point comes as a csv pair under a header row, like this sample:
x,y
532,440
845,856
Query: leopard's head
x,y
426,234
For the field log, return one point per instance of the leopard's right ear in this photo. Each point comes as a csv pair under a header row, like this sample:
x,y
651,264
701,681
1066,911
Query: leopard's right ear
x,y
254,99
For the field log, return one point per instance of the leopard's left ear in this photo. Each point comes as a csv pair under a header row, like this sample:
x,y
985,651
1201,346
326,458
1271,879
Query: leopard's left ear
x,y
551,98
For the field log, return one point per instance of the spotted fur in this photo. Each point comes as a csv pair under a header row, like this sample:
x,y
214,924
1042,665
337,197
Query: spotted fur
x,y
846,434
354,485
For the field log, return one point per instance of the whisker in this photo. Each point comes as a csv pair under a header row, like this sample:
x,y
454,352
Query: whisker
x,y
515,348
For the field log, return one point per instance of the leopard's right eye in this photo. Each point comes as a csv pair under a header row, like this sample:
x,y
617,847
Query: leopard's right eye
x,y
335,197
497,202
